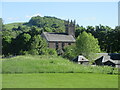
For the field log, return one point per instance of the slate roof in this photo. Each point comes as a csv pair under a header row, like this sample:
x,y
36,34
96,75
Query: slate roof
x,y
112,57
81,59
61,37
106,58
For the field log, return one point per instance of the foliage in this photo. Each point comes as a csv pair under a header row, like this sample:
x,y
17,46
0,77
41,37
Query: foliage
x,y
21,43
49,64
87,45
35,31
37,44
70,52
108,38
6,41
52,51
114,42
24,38
49,24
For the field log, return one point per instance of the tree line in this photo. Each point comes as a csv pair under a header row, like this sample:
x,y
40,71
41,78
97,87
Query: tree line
x,y
108,38
24,38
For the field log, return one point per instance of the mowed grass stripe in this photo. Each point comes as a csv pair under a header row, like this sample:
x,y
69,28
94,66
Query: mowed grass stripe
x,y
60,80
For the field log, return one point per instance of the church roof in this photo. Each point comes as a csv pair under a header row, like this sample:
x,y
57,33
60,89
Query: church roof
x,y
61,37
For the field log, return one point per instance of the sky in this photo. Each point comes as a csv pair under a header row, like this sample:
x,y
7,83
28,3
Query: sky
x,y
85,13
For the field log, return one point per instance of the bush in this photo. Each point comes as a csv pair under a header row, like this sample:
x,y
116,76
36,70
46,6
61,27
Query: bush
x,y
70,52
52,51
32,52
48,51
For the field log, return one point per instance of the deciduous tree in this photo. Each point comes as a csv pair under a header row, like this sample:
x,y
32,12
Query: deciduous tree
x,y
87,45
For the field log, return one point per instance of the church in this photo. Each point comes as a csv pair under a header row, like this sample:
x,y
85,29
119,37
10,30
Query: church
x,y
59,40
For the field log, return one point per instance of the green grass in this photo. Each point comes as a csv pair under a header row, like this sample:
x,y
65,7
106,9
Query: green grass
x,y
54,72
60,80
49,64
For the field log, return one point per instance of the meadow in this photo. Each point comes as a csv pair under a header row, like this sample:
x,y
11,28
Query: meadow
x,y
54,72
50,64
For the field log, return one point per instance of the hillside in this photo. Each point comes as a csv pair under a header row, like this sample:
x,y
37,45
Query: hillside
x,y
13,25
49,24
49,64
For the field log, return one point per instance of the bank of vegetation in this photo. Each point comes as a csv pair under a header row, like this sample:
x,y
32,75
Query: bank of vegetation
x,y
49,64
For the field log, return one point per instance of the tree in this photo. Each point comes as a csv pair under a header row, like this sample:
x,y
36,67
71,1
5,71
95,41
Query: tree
x,y
114,36
87,45
70,52
6,42
37,44
21,43
35,31
78,30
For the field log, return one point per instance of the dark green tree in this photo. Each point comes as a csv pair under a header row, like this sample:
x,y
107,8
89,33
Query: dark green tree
x,y
21,43
37,45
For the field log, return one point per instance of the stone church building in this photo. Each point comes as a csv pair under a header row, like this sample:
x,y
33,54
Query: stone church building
x,y
59,40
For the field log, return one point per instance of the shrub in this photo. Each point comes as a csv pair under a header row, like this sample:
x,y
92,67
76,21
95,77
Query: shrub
x,y
52,51
48,51
70,52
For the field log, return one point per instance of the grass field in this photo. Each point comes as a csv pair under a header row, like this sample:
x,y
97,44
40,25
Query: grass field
x,y
49,64
60,80
54,72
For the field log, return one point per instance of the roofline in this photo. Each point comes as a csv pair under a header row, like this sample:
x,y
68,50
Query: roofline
x,y
63,41
44,34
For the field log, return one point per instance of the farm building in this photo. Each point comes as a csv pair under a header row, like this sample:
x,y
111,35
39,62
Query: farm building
x,y
109,63
112,59
116,58
81,60
59,40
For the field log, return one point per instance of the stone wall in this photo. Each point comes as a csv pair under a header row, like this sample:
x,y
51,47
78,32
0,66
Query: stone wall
x,y
59,45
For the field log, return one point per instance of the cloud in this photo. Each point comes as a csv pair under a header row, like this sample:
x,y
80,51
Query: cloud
x,y
29,16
